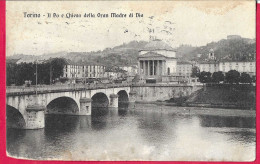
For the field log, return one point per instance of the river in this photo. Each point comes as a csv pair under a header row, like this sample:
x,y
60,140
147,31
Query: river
x,y
148,132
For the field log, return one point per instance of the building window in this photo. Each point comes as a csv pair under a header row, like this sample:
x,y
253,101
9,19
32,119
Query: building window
x,y
169,71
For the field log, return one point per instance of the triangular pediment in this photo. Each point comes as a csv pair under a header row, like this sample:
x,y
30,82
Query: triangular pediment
x,y
151,54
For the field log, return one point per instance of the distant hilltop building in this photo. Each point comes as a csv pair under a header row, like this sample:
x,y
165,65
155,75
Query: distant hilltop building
x,y
157,61
234,37
211,55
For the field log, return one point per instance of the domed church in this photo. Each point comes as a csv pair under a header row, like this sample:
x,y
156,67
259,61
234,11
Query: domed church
x,y
157,62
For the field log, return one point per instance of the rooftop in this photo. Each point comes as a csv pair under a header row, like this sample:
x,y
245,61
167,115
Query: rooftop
x,y
183,62
81,63
151,54
157,45
209,62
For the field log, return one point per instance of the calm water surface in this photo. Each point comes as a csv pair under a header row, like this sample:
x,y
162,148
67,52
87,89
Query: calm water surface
x,y
145,133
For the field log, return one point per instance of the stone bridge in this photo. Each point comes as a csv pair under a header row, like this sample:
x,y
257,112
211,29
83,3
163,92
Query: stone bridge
x,y
27,110
27,106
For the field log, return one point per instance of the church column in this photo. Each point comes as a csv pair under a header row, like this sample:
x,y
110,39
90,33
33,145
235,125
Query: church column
x,y
153,67
148,67
161,64
157,67
144,69
139,67
145,65
163,67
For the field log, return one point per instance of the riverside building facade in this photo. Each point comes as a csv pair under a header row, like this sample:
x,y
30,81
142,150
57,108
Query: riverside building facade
x,y
184,69
81,70
212,65
240,66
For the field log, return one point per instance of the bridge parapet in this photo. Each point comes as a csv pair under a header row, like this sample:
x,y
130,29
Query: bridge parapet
x,y
16,90
21,90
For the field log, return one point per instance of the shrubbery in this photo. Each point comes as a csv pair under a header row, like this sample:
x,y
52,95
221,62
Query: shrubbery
x,y
231,77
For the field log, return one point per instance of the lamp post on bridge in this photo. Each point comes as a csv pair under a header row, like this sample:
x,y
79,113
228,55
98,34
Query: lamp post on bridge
x,y
36,77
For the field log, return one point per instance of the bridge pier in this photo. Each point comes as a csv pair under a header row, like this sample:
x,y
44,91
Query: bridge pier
x,y
85,106
35,118
113,103
132,99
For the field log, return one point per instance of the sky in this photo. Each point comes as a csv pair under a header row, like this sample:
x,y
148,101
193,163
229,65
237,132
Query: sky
x,y
175,22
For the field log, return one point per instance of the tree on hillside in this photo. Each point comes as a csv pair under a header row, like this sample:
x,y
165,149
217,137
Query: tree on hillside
x,y
232,76
195,71
245,78
205,77
217,77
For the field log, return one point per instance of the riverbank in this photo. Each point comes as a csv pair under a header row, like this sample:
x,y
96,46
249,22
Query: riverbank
x,y
224,96
217,96
187,110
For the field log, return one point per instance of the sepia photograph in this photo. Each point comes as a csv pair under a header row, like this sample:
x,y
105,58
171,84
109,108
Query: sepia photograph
x,y
131,80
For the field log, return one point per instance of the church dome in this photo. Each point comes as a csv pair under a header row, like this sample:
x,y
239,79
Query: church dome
x,y
157,45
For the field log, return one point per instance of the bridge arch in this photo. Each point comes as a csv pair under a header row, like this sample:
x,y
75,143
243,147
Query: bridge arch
x,y
99,99
62,105
14,119
123,97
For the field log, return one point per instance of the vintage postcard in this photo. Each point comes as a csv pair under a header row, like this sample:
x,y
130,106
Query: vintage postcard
x,y
131,80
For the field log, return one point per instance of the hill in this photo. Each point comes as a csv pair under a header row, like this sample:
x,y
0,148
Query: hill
x,y
127,53
234,49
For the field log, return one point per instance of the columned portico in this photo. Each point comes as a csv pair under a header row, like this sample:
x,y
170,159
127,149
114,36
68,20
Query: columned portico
x,y
151,67
157,60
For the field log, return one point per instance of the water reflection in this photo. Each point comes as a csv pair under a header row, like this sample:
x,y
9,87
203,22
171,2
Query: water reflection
x,y
147,132
222,121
